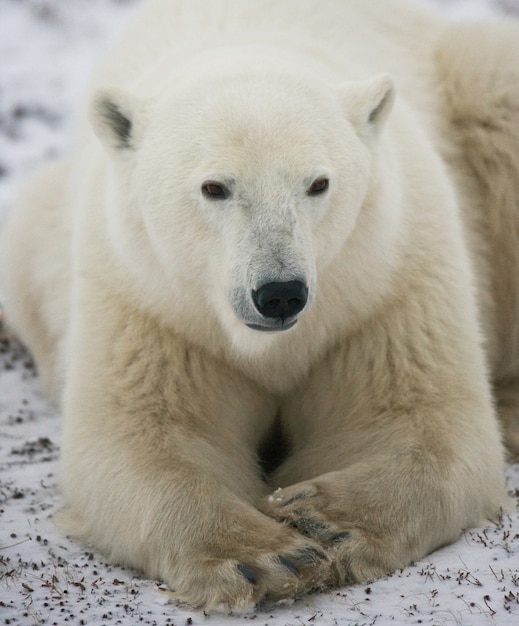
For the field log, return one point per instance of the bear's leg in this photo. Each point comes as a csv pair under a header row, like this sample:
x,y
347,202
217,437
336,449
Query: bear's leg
x,y
35,264
159,464
395,446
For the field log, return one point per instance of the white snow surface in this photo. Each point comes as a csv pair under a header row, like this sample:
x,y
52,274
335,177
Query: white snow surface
x,y
47,48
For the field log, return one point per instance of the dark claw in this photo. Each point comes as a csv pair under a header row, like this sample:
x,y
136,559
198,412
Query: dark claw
x,y
311,556
247,573
288,564
340,537
308,526
300,496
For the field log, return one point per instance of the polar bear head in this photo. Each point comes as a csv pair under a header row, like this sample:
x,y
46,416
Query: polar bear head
x,y
236,183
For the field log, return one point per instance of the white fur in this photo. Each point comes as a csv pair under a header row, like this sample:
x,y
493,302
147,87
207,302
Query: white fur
x,y
136,297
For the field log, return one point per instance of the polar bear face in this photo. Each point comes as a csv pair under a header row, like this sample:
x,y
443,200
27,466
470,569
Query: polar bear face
x,y
239,188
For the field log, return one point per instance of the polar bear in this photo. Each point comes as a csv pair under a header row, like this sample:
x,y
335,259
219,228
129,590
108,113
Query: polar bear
x,y
274,290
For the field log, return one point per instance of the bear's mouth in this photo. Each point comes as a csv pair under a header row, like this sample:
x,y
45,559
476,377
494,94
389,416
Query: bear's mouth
x,y
280,326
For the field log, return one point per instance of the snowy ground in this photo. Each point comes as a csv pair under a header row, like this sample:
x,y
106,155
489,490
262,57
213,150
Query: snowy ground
x,y
46,50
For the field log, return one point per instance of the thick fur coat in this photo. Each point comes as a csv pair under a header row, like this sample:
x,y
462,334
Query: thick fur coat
x,y
274,290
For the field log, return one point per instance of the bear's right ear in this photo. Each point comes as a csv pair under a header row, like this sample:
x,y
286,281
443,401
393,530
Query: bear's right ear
x,y
368,104
113,115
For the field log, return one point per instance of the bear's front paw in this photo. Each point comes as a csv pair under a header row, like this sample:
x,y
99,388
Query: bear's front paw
x,y
354,550
288,574
249,577
300,506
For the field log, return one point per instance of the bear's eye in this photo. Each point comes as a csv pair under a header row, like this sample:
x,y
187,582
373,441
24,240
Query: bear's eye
x,y
215,191
320,185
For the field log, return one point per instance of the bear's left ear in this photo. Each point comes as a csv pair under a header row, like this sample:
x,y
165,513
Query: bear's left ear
x,y
368,104
114,116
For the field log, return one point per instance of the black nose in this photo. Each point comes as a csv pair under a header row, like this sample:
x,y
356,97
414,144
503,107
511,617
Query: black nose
x,y
281,300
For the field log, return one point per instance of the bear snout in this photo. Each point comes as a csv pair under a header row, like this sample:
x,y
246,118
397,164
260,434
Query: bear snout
x,y
280,300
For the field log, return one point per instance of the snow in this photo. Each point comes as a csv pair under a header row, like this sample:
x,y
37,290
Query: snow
x,y
47,48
